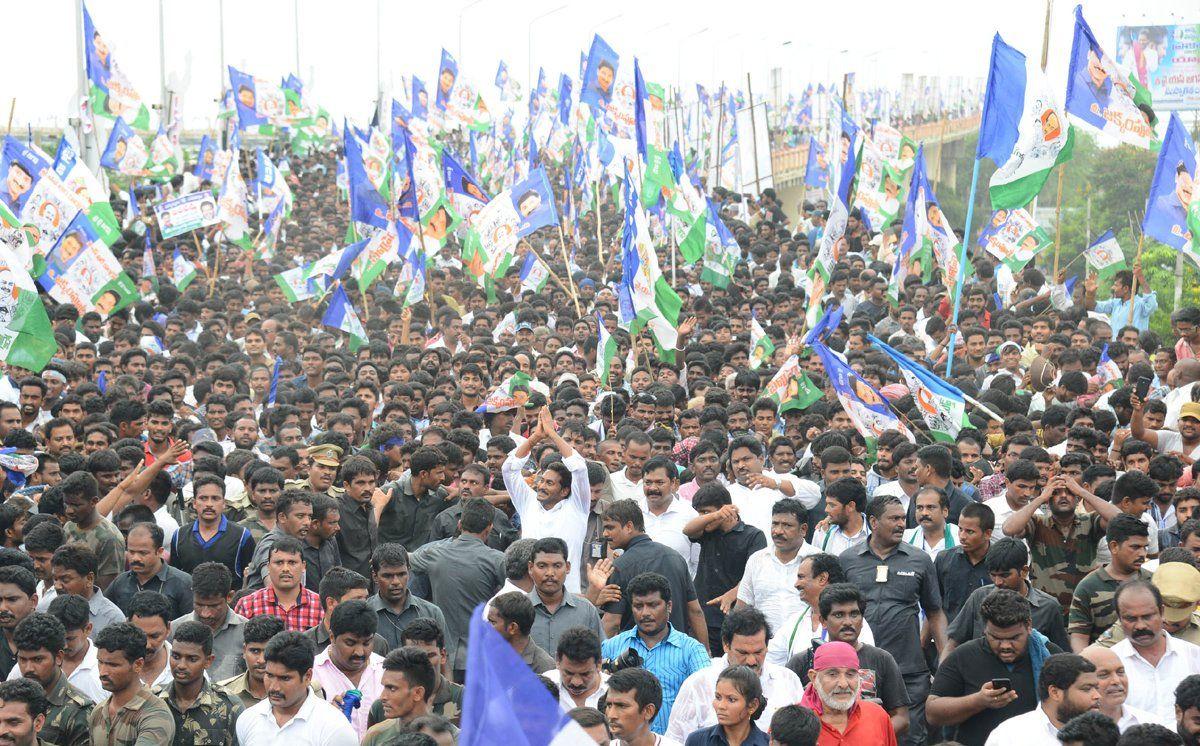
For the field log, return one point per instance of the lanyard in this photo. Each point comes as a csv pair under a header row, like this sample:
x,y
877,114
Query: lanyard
x,y
797,628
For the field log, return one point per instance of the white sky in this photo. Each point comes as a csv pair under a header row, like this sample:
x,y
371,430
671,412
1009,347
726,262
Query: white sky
x,y
879,39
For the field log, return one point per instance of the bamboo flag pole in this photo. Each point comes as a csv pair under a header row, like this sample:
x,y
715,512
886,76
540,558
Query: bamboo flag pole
x,y
12,109
567,267
1058,221
599,233
1134,285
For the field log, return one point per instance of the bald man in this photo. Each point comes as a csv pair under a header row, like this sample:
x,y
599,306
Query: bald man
x,y
1114,688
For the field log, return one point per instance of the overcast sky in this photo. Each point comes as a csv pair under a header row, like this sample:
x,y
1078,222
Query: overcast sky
x,y
696,40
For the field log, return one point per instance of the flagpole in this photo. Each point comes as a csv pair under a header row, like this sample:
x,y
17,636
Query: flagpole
x,y
567,268
1133,286
753,136
962,262
1058,222
599,234
162,63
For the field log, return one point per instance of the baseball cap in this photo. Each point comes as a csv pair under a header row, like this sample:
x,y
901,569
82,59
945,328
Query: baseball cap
x,y
1191,409
524,326
1179,584
1007,345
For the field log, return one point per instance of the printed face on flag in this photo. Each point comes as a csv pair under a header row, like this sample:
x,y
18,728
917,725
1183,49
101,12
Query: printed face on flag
x,y
1172,188
600,75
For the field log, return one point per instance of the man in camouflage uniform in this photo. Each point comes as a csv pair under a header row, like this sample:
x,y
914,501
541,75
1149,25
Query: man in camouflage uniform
x,y
40,640
81,492
263,492
131,714
1062,544
202,714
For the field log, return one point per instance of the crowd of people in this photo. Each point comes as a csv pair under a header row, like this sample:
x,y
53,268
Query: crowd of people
x,y
240,531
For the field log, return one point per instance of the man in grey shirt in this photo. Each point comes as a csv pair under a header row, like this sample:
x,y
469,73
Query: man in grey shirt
x,y
555,609
73,567
293,517
393,601
463,573
212,584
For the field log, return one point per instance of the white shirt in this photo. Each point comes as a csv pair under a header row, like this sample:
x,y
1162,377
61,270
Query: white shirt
x,y
835,541
564,697
755,507
916,537
85,677
169,526
567,520
693,708
624,488
1131,716
317,723
1002,510
807,491
796,635
667,529
1031,728
769,585
1152,688
892,489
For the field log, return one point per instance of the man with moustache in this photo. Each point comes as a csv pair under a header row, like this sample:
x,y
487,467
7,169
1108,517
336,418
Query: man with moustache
x,y
1155,662
1187,710
1114,689
833,692
40,640
202,712
898,580
23,707
1067,687
131,714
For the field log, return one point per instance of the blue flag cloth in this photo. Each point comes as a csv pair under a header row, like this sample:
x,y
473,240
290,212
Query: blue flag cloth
x,y
274,382
849,156
459,181
367,205
1004,103
204,159
406,193
447,74
245,99
133,212
102,382
349,254
118,145
867,408
504,703
400,117
1166,208
639,108
828,324
600,77
564,99
630,261
941,404
816,174
292,83
501,75
534,202
420,99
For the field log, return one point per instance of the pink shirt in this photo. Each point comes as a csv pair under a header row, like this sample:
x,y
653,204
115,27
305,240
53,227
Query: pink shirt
x,y
687,491
334,682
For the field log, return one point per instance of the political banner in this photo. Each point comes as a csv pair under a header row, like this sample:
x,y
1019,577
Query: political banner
x,y
600,76
187,213
447,74
82,271
1014,237
1164,60
110,92
1172,190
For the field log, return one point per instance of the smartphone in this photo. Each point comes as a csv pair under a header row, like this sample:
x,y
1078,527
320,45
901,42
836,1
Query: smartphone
x,y
1142,387
1002,683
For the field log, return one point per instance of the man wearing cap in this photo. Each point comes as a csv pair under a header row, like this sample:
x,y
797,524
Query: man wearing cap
x,y
833,694
1186,441
1179,584
325,458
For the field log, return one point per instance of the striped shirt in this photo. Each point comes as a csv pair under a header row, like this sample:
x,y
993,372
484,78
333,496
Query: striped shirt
x,y
671,661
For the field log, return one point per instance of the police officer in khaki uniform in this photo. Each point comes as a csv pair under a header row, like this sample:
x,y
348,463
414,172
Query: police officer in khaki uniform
x,y
325,458
1179,584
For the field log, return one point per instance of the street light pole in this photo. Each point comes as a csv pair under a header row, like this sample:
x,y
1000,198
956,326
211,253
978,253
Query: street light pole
x,y
529,60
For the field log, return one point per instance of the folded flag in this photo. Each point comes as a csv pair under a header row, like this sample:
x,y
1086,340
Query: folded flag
x,y
506,396
183,271
868,410
1105,255
790,388
341,315
26,338
761,346
942,405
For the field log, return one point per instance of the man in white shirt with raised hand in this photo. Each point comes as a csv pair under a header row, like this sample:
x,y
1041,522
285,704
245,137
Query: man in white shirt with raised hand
x,y
1067,687
769,583
1155,661
560,504
664,512
745,635
293,713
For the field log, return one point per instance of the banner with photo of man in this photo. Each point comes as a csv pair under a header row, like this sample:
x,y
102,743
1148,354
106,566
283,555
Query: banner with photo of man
x,y
187,213
1014,237
110,93
82,271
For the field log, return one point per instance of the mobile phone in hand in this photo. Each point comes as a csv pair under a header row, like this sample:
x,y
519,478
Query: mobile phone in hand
x,y
1003,684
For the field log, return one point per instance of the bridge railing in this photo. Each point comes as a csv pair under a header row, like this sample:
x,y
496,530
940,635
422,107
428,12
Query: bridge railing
x,y
789,164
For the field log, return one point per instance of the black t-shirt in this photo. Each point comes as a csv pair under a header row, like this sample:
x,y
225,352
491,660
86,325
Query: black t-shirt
x,y
723,556
966,670
878,672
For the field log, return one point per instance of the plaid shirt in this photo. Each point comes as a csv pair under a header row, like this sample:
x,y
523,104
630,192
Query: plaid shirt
x,y
305,613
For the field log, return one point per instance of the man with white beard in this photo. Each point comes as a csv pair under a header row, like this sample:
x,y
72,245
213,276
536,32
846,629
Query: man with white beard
x,y
833,693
